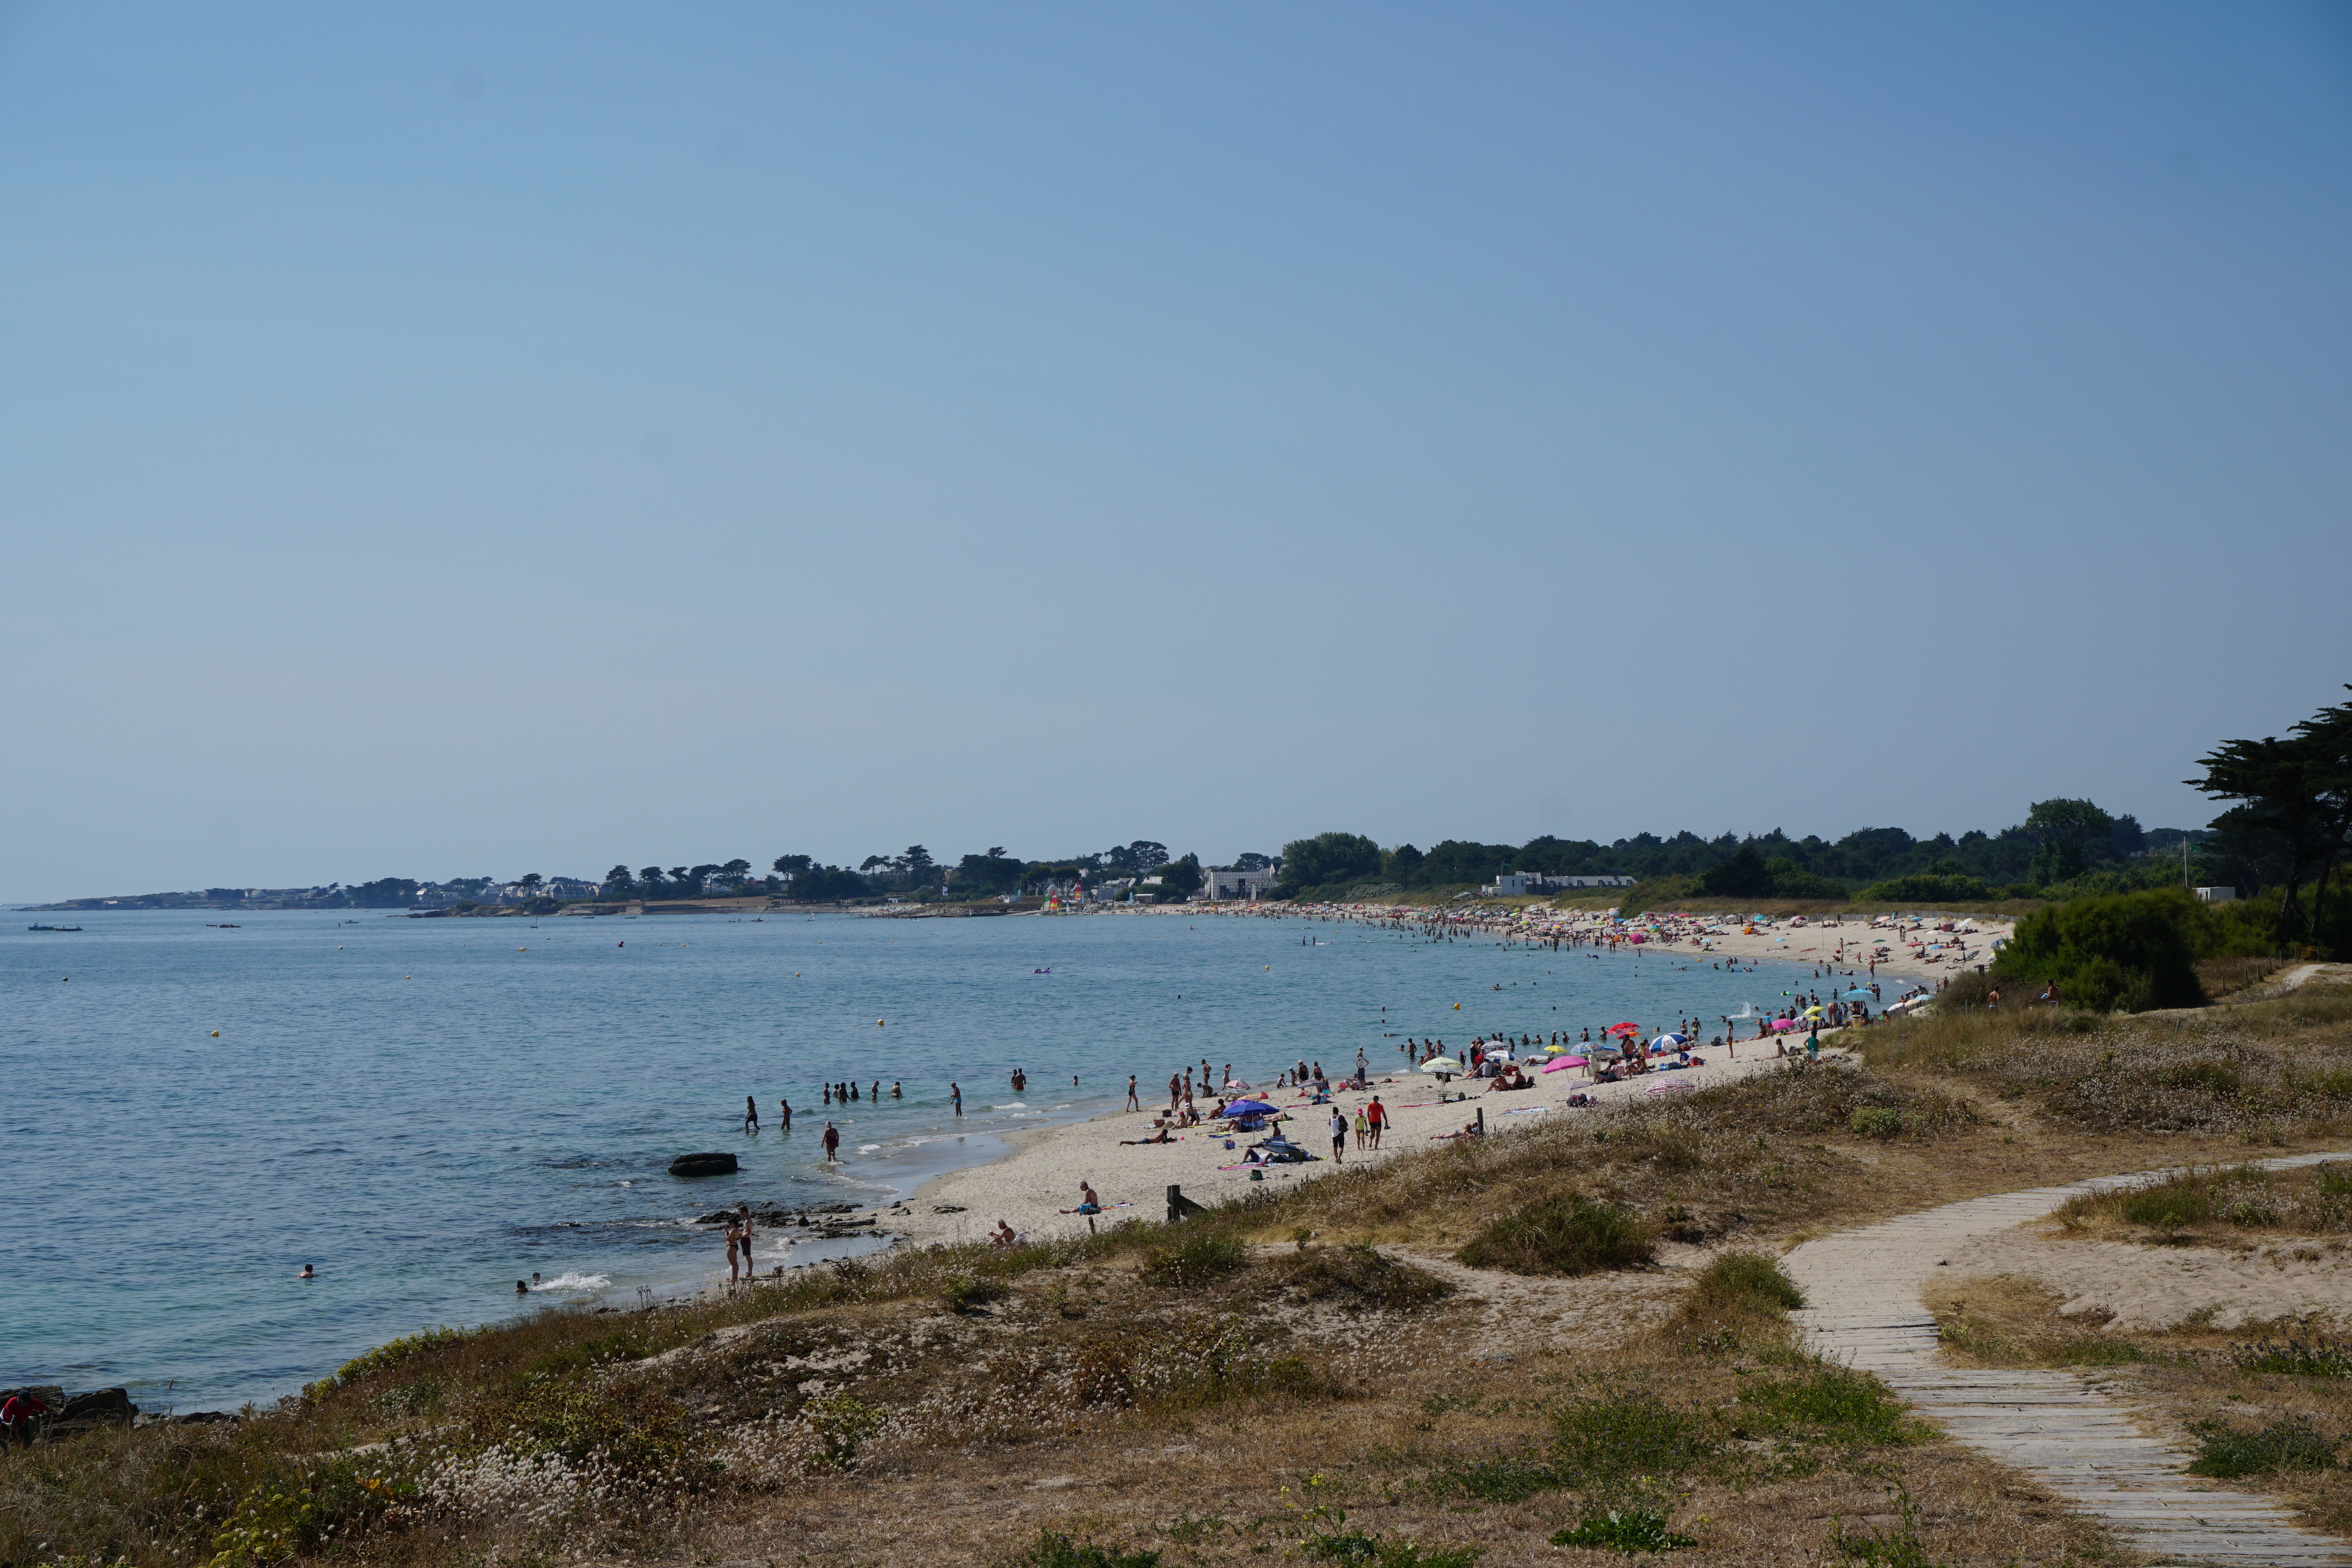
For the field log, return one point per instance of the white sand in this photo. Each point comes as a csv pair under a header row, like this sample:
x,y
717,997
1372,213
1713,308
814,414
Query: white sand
x,y
1030,1188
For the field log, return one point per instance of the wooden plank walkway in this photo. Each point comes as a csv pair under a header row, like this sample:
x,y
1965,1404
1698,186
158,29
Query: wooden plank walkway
x,y
2081,1444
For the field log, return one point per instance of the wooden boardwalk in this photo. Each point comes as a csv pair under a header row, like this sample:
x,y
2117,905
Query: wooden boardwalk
x,y
2055,1425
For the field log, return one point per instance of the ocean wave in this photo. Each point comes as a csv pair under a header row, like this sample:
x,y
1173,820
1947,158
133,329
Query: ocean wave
x,y
1017,1105
867,1148
571,1280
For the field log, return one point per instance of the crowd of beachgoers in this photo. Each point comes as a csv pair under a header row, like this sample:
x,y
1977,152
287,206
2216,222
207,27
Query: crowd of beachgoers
x,y
1913,945
1207,1128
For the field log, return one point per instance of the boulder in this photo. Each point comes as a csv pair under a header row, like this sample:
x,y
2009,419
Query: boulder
x,y
100,1404
703,1164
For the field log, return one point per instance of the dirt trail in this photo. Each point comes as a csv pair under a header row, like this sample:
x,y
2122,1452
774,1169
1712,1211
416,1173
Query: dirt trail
x,y
2057,1426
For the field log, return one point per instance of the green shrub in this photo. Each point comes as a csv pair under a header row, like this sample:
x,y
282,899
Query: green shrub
x,y
2133,951
1630,1530
2289,1443
2323,1357
1358,1547
394,1351
1363,1277
1929,887
965,1293
1497,1480
1605,1439
1751,1278
2168,1205
1881,1121
1571,1235
1052,1551
1194,1260
1830,1402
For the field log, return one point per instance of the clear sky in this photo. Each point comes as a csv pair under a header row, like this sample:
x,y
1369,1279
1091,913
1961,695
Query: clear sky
x,y
459,440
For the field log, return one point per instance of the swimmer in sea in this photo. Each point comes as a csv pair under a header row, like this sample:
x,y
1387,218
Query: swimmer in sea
x,y
306,1273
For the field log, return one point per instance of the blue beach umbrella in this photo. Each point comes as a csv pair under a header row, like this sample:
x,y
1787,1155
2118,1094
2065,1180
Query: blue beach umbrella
x,y
1247,1107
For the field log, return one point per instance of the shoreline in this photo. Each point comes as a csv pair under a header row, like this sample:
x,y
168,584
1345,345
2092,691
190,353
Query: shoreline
x,y
1033,1185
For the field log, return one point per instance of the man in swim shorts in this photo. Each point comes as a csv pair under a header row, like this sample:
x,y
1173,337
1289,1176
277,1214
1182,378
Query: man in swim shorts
x,y
1338,1136
832,1140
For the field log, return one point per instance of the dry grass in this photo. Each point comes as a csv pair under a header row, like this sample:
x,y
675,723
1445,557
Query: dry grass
x,y
2216,1389
1179,1392
2261,1073
2225,1206
2225,977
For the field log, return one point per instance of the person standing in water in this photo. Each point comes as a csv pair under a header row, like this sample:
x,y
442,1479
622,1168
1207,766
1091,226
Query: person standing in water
x,y
743,1223
750,1115
955,1096
831,1141
784,1113
1020,1081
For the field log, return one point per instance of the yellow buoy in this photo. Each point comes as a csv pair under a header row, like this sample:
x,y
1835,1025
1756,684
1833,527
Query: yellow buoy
x,y
215,1034
877,1023
1457,1007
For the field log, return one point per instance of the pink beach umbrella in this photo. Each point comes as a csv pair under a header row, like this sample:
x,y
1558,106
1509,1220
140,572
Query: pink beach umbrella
x,y
1554,1066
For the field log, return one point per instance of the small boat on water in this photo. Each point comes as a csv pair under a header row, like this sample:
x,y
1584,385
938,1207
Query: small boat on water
x,y
52,927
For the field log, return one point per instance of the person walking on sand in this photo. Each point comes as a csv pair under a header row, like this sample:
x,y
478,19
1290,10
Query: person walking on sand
x,y
1338,1136
1363,1130
750,1115
1132,1102
1378,1116
831,1141
743,1224
734,1261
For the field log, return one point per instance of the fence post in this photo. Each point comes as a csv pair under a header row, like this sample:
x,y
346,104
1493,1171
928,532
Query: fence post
x,y
1481,1121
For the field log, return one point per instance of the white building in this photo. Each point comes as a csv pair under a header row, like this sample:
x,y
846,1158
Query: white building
x,y
1520,883
1222,885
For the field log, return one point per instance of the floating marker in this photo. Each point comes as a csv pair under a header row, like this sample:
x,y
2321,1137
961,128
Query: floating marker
x,y
877,1023
215,1034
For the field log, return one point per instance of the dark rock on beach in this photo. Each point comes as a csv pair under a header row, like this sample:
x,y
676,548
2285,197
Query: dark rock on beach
x,y
703,1164
101,1405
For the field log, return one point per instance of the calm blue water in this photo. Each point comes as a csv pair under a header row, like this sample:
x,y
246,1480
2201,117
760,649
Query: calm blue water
x,y
426,1110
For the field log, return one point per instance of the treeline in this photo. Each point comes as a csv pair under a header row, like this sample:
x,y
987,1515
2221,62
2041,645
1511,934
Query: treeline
x,y
2281,844
2060,843
914,873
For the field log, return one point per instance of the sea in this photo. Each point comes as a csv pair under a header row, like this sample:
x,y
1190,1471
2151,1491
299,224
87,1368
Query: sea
x,y
197,1104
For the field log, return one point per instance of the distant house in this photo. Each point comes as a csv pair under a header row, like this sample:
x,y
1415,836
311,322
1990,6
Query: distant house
x,y
1520,883
567,887
2216,894
1222,886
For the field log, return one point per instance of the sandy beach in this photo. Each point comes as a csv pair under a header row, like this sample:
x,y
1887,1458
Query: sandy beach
x,y
1032,1189
1926,947
1035,1187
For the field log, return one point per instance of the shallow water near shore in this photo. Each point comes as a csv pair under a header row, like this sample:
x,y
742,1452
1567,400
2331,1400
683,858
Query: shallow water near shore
x,y
427,1109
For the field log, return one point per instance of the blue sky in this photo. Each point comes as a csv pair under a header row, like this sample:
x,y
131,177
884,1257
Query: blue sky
x,y
466,439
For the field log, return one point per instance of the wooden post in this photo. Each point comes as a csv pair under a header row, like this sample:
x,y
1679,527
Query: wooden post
x,y
1481,1121
1178,1205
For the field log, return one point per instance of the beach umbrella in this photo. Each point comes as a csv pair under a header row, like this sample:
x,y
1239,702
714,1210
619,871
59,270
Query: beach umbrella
x,y
1441,1064
1624,1028
1856,995
1563,1062
1781,1024
1247,1107
1671,1039
1813,1012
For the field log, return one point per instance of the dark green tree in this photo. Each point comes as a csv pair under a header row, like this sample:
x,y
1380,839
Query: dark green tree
x,y
1328,859
1744,875
2281,785
1182,876
2062,826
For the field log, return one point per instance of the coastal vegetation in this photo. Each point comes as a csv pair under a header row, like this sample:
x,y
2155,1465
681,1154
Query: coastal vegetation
x,y
1354,1359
